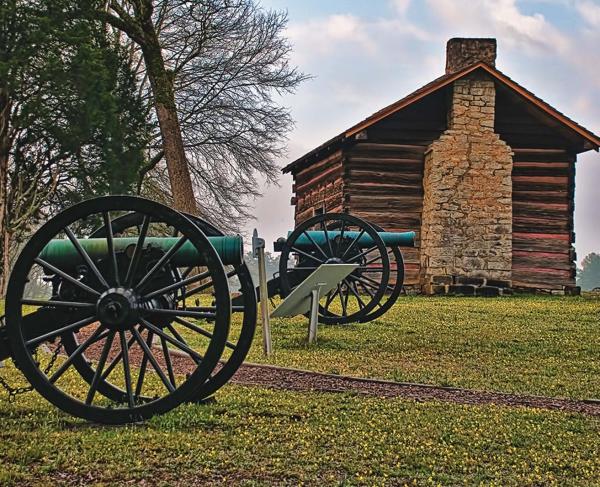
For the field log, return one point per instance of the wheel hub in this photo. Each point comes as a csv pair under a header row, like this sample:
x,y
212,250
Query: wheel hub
x,y
118,308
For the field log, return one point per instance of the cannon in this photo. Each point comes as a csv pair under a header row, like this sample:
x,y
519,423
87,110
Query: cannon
x,y
340,238
120,308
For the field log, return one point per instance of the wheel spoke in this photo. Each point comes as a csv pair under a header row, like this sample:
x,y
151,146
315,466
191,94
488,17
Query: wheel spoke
x,y
86,258
327,237
203,287
99,367
144,364
297,250
127,369
162,262
65,276
365,283
350,286
155,365
201,331
362,254
57,304
177,285
368,291
353,243
167,355
95,337
182,312
192,353
111,246
372,281
340,239
137,253
59,331
329,300
181,339
116,360
316,246
374,259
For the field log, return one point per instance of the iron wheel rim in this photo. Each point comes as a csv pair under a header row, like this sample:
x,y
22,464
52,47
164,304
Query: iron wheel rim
x,y
330,251
14,312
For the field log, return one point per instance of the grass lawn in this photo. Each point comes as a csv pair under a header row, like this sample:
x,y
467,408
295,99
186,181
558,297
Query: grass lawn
x,y
524,344
253,436
537,345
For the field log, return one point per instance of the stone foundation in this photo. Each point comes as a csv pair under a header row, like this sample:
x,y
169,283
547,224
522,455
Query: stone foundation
x,y
467,208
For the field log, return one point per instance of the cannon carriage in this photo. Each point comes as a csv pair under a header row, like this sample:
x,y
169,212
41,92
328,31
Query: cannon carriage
x,y
120,308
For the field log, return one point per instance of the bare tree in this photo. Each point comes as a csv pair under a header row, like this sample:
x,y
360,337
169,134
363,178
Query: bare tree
x,y
216,70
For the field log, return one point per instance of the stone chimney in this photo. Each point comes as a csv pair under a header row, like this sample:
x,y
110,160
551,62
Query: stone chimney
x,y
467,207
462,52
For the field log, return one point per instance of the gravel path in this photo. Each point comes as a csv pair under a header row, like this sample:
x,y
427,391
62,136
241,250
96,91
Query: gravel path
x,y
303,380
283,378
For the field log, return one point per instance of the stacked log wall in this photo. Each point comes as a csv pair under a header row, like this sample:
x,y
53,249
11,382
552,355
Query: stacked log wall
x,y
319,187
383,176
384,185
543,236
543,198
379,176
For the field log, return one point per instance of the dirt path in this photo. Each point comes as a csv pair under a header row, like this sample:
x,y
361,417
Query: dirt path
x,y
283,378
302,380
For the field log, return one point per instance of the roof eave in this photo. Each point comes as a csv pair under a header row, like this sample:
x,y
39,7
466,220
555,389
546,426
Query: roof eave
x,y
590,138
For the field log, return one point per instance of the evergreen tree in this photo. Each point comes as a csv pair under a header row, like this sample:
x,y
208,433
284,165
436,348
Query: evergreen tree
x,y
72,124
106,131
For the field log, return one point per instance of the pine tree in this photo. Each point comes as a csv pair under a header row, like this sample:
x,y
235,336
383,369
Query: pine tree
x,y
72,124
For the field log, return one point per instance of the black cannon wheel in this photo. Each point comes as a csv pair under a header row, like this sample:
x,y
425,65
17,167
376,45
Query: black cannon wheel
x,y
392,291
296,264
118,307
237,345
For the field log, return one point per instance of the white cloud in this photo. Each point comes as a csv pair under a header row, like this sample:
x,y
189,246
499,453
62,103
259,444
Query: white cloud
x,y
589,11
328,35
401,6
501,19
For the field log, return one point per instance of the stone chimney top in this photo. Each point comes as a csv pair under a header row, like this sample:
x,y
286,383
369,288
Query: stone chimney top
x,y
462,52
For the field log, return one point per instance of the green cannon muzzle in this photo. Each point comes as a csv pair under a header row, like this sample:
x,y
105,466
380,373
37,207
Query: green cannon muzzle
x,y
62,253
390,239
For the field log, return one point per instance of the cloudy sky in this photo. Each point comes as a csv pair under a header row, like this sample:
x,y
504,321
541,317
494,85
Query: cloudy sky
x,y
366,54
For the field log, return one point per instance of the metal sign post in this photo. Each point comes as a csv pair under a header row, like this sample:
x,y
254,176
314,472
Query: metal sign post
x,y
258,251
314,314
305,297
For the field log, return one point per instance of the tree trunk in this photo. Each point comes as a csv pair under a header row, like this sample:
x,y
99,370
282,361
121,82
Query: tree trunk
x,y
161,81
5,110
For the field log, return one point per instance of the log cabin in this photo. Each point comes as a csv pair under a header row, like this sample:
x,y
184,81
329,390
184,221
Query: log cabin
x,y
477,165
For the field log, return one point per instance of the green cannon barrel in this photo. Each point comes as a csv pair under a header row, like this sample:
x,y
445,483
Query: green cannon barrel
x,y
390,239
62,253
